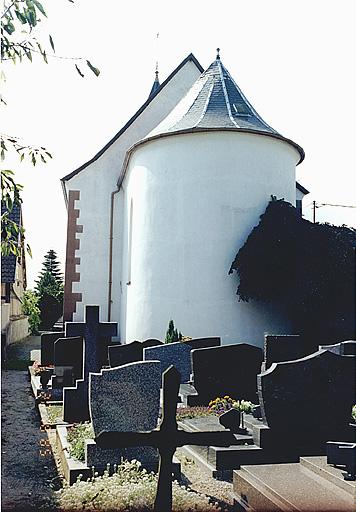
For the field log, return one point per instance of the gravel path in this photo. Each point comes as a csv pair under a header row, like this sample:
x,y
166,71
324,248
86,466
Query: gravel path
x,y
28,478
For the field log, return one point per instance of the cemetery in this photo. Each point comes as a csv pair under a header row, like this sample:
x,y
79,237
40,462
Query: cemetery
x,y
192,210
267,422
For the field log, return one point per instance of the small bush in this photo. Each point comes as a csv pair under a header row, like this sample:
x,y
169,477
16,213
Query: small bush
x,y
172,335
55,413
353,413
129,489
31,309
76,437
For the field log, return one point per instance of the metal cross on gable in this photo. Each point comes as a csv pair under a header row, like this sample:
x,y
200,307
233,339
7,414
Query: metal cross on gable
x,y
166,438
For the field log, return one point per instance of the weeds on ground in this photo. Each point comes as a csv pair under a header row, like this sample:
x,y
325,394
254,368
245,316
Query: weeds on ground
x,y
54,413
129,488
76,437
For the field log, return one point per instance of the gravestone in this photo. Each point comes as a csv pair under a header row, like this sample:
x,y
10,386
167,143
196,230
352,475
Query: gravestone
x,y
124,354
47,346
129,353
283,348
124,399
151,342
176,354
345,348
225,370
179,354
96,335
196,343
68,362
308,401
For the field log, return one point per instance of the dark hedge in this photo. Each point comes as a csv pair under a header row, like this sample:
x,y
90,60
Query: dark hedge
x,y
309,268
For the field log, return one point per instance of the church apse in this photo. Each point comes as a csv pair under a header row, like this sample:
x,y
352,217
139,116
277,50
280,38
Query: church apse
x,y
73,243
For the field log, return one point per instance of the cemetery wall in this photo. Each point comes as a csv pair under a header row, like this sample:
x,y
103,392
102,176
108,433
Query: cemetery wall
x,y
96,182
191,200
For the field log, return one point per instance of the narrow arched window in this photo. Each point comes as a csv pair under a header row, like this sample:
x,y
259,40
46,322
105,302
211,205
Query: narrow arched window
x,y
129,249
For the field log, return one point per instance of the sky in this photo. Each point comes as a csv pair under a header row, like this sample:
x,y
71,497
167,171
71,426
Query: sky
x,y
294,61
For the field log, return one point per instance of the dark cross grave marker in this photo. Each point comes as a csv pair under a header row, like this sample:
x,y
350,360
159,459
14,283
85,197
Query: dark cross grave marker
x,y
96,338
166,438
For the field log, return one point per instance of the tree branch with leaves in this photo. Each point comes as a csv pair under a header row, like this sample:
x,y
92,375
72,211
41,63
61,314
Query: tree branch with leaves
x,y
21,17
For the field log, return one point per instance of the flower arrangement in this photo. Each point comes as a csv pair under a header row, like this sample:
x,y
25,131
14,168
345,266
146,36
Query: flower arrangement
x,y
243,406
221,405
353,413
129,488
192,412
38,369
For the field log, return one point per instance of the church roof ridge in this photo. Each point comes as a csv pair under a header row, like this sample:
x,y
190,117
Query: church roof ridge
x,y
216,102
152,95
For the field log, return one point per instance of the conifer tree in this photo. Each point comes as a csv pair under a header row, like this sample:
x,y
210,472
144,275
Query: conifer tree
x,y
49,289
52,266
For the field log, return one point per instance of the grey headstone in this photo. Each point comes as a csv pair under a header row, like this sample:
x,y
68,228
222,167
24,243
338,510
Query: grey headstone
x,y
96,336
68,361
283,348
177,354
308,401
226,370
124,399
47,346
345,348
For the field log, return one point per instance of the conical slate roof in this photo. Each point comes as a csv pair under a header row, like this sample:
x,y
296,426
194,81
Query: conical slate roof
x,y
155,86
216,102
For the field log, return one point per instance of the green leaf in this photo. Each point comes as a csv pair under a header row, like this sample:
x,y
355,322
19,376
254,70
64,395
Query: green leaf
x,y
81,74
45,57
39,7
9,27
52,43
96,71
28,55
21,17
31,16
33,159
48,154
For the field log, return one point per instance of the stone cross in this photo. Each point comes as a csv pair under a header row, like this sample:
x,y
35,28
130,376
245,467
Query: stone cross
x,y
96,336
166,438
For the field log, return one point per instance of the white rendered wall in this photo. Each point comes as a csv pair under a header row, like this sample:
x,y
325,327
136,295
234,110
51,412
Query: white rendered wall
x,y
96,183
196,198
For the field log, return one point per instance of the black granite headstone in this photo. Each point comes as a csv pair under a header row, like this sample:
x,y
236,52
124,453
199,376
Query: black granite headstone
x,y
47,346
151,342
129,353
196,343
96,334
225,370
124,354
68,361
344,348
308,401
283,348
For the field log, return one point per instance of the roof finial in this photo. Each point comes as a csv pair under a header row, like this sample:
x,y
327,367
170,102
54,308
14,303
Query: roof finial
x,y
157,55
218,54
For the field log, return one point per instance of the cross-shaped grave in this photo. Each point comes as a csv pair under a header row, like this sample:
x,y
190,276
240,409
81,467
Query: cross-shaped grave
x,y
96,337
166,438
